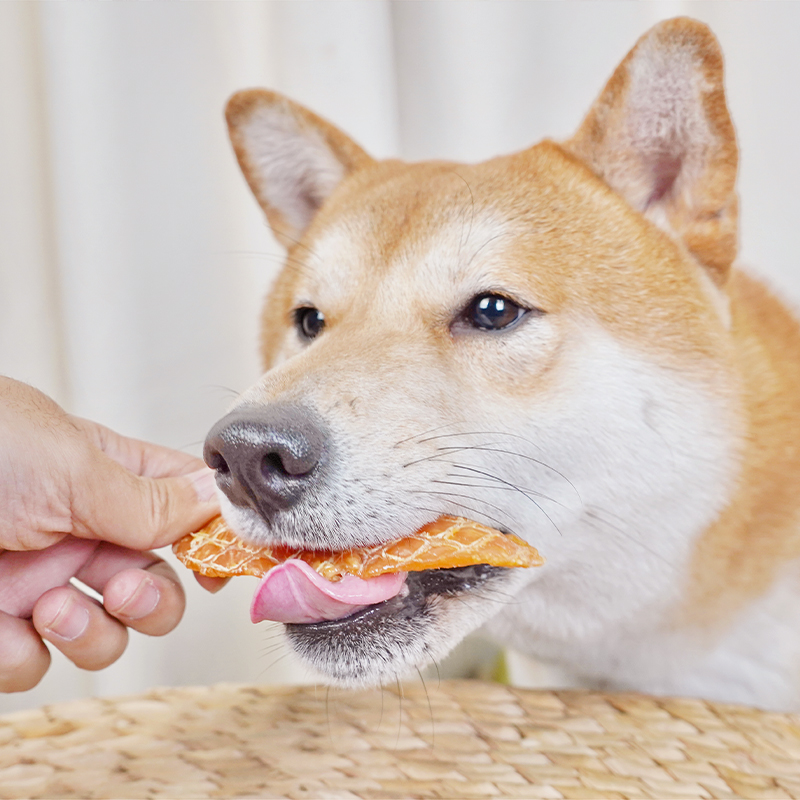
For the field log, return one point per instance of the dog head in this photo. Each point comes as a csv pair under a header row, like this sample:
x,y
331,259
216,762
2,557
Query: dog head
x,y
537,342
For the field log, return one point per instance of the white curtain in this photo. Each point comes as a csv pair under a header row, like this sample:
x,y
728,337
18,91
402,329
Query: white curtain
x,y
133,260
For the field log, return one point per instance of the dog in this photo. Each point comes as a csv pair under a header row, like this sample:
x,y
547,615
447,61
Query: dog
x,y
554,343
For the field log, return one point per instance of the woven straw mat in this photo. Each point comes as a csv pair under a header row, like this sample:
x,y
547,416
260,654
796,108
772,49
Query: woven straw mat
x,y
459,739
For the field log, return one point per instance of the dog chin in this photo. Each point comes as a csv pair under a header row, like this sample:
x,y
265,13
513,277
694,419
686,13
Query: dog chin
x,y
422,624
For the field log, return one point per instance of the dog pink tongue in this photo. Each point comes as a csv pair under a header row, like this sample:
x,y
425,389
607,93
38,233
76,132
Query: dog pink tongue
x,y
294,592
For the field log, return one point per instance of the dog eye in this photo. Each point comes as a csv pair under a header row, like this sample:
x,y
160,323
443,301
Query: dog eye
x,y
492,312
309,321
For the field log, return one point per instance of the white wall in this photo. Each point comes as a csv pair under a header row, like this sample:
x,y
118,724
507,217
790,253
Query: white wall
x,y
133,260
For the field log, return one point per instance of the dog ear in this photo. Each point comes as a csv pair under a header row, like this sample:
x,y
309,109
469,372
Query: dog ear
x,y
292,159
661,136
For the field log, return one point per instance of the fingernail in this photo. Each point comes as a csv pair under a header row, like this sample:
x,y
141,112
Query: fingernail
x,y
205,484
71,620
142,602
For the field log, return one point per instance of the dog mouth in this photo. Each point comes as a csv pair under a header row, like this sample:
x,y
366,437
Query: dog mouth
x,y
417,590
297,596
304,590
360,615
419,625
294,593
434,610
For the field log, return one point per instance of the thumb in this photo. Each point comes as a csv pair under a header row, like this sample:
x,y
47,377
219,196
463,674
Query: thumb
x,y
141,513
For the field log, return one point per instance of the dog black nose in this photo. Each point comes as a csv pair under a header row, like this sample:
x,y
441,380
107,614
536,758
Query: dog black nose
x,y
266,456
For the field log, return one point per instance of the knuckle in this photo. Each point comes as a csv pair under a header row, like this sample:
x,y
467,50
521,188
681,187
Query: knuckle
x,y
80,468
162,570
159,506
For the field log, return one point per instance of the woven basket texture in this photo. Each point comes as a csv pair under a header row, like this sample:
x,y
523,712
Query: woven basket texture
x,y
458,739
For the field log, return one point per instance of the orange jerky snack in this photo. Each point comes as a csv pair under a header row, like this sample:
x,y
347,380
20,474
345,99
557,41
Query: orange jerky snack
x,y
448,542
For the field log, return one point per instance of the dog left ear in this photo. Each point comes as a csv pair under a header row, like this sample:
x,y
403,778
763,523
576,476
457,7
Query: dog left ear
x,y
661,136
292,159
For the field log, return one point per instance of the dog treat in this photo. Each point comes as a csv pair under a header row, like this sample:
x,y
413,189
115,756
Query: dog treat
x,y
448,542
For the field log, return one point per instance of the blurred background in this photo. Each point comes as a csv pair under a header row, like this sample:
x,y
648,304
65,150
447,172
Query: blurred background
x,y
133,260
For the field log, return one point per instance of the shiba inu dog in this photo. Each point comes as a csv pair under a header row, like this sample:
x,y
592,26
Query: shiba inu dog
x,y
554,343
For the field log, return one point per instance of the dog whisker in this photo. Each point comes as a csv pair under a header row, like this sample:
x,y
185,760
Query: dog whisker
x,y
481,433
470,509
399,711
328,712
507,487
464,239
270,651
489,449
300,268
595,515
463,484
499,484
275,633
382,690
521,455
430,707
511,486
445,451
435,511
226,389
275,258
422,460
275,663
468,497
434,663
425,433
424,436
298,243
491,593
486,244
189,445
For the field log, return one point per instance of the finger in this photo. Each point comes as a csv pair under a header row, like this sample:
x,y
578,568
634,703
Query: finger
x,y
140,457
138,588
26,575
140,513
24,657
151,601
212,585
109,559
79,628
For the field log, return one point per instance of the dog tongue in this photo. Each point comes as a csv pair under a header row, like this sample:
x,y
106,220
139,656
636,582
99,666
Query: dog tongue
x,y
294,592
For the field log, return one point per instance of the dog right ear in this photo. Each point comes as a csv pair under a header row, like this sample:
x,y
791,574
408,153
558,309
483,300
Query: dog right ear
x,y
661,136
292,159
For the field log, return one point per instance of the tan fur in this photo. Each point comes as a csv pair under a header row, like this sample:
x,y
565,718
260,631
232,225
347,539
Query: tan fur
x,y
742,554
571,206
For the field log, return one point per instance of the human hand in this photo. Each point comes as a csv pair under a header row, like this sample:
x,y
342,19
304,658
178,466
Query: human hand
x,y
78,500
